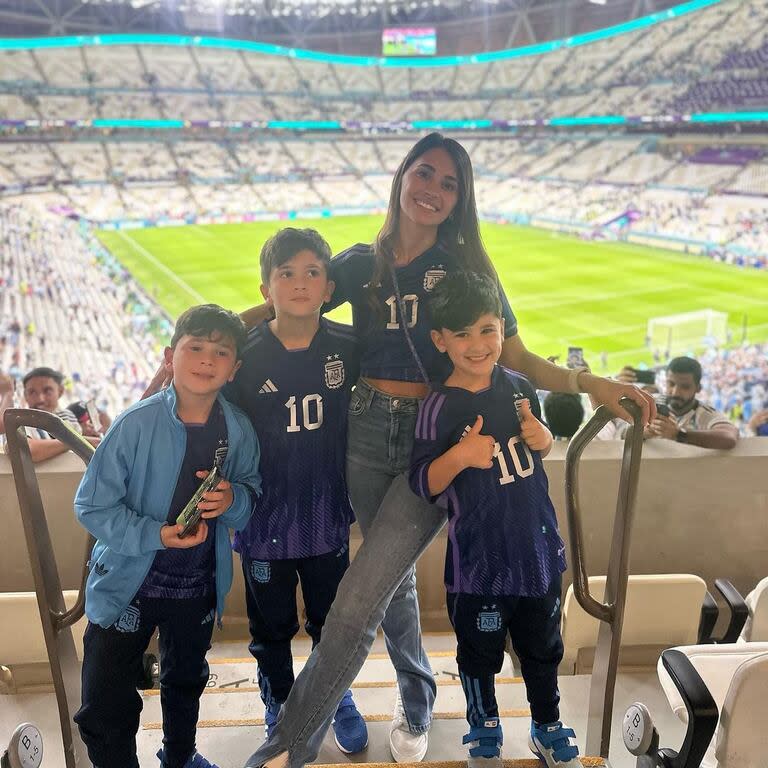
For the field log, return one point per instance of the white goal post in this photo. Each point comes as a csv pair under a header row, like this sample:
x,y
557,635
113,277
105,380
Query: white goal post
x,y
688,331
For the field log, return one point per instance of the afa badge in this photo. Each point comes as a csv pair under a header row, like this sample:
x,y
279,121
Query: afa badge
x,y
260,572
221,453
129,620
334,374
489,621
433,276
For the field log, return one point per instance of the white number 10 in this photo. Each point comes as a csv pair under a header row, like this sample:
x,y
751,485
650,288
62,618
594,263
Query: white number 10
x,y
409,298
498,454
294,426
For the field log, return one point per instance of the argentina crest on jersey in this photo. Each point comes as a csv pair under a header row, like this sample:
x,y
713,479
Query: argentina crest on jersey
x,y
220,453
433,276
334,372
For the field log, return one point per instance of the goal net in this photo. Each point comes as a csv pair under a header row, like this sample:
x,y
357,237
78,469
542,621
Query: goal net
x,y
688,331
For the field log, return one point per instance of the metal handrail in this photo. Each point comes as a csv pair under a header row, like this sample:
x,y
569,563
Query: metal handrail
x,y
56,619
610,612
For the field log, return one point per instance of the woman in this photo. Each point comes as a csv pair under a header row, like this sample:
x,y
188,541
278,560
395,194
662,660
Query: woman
x,y
431,229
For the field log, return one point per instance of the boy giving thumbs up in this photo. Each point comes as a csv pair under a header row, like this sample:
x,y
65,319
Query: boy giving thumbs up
x,y
478,453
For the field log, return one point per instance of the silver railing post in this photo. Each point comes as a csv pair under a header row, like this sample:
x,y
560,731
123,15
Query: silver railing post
x,y
56,620
610,612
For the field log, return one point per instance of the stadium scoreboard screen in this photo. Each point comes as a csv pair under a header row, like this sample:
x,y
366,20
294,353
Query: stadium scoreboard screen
x,y
409,41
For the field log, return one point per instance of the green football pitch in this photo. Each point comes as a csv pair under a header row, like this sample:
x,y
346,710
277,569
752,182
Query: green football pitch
x,y
564,291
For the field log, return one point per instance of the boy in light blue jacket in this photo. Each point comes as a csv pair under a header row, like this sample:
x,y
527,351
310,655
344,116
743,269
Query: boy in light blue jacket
x,y
143,575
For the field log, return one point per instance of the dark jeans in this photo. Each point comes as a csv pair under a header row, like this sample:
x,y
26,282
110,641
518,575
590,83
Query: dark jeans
x,y
270,599
109,715
481,624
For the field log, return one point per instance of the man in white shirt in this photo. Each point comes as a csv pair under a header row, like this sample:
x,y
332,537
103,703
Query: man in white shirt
x,y
690,421
42,389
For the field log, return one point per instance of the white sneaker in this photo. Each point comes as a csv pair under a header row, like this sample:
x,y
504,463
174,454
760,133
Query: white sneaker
x,y
406,747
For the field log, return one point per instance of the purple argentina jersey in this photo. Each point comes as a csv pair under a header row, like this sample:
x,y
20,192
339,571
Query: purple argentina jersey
x,y
502,529
385,352
297,401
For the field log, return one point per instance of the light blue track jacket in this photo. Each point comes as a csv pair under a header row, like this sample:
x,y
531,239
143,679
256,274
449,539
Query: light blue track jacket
x,y
126,491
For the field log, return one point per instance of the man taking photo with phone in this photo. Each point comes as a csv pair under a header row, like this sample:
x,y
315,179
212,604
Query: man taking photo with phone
x,y
685,419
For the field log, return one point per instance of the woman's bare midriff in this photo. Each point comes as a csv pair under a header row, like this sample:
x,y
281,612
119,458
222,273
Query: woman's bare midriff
x,y
399,388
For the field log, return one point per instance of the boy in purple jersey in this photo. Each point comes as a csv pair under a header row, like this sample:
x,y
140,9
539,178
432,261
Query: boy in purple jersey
x,y
294,384
478,452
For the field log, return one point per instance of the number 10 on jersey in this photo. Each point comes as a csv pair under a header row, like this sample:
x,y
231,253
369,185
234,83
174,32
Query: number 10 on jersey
x,y
514,444
309,403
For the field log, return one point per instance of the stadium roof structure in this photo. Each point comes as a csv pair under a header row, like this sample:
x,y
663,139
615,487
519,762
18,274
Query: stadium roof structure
x,y
321,24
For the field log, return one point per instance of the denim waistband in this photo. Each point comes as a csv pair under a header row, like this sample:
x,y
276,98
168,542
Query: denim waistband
x,y
375,398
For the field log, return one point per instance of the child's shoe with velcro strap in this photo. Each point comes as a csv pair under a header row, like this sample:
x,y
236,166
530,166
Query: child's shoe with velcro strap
x,y
485,745
349,728
554,745
196,760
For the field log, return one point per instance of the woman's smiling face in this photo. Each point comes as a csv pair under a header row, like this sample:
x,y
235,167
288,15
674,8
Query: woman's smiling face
x,y
430,188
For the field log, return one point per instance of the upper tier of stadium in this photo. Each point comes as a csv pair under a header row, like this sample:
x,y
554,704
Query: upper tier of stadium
x,y
711,59
690,191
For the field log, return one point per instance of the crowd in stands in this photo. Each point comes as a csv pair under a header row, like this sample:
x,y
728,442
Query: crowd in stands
x,y
67,304
716,56
712,195
736,381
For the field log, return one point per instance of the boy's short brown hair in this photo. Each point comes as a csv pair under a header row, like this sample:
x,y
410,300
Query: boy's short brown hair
x,y
286,243
206,320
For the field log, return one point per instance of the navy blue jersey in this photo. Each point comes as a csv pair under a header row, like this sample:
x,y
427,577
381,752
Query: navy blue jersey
x,y
385,351
297,401
502,529
185,573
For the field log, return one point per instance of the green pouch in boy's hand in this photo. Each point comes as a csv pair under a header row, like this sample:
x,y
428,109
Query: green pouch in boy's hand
x,y
190,516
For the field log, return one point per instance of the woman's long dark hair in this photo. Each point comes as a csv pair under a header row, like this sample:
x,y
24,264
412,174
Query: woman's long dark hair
x,y
459,233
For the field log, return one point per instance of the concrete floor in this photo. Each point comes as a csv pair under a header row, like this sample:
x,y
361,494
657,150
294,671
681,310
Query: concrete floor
x,y
231,711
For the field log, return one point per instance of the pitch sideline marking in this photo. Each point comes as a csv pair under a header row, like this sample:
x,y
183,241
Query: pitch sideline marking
x,y
142,251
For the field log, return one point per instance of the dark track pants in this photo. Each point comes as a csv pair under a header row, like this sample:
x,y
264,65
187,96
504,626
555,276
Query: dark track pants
x,y
109,715
270,598
481,624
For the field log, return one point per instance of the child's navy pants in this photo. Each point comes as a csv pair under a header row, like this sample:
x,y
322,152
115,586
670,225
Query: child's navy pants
x,y
109,716
481,624
270,598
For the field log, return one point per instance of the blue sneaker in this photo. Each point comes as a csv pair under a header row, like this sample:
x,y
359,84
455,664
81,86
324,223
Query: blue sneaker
x,y
485,745
349,728
554,745
271,713
195,761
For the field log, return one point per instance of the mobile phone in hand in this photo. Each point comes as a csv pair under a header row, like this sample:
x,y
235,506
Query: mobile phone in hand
x,y
645,376
575,357
190,516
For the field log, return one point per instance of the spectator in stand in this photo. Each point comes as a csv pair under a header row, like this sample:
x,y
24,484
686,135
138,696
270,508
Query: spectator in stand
x,y
616,429
689,420
88,428
43,387
563,413
758,424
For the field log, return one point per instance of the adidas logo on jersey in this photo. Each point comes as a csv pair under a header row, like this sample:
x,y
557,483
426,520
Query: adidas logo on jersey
x,y
267,388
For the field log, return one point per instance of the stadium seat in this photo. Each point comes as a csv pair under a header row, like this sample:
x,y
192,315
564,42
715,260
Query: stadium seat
x,y
661,611
756,626
704,681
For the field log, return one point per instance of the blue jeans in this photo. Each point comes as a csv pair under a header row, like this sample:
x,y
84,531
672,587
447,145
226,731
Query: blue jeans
x,y
397,527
